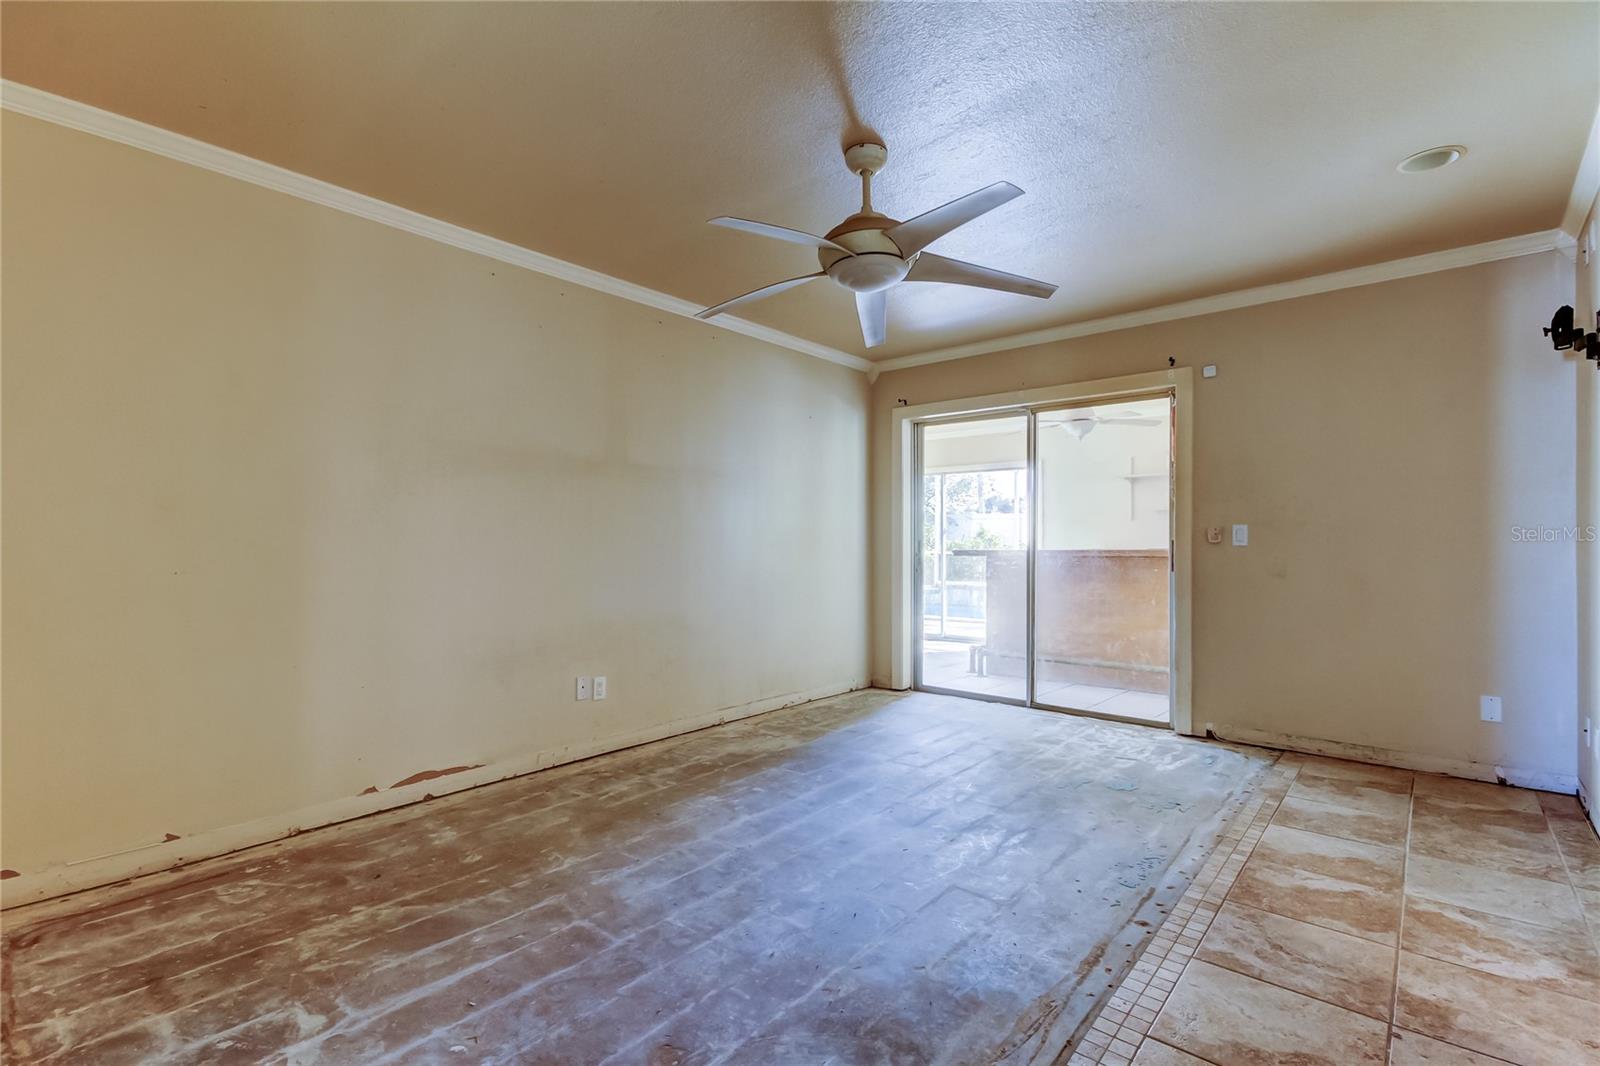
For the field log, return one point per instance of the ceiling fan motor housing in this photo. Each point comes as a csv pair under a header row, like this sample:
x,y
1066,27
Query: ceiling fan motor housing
x,y
877,263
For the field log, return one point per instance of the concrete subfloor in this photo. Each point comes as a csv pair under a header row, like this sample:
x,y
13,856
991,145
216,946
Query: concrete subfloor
x,y
872,878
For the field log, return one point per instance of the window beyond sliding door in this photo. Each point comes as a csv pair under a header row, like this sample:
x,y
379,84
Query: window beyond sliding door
x,y
1102,567
975,525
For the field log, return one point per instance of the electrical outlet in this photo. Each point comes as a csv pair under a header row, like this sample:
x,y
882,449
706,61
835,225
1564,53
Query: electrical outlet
x,y
599,687
583,688
1213,534
1241,536
1489,708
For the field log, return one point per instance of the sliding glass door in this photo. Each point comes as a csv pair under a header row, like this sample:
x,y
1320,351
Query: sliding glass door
x,y
1045,564
1103,565
974,557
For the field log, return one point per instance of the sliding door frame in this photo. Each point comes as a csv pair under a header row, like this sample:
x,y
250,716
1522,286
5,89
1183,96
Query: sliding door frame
x,y
905,511
917,546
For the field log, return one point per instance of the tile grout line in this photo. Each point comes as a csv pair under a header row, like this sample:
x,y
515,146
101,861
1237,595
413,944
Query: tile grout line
x,y
1566,867
1456,963
1400,928
1212,888
1400,942
1320,998
1155,974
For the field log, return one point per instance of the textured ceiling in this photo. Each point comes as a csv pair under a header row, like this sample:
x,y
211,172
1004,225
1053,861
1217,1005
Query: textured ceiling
x,y
1168,151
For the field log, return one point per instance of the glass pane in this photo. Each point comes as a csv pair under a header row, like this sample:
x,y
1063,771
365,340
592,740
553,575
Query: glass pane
x,y
1102,573
975,529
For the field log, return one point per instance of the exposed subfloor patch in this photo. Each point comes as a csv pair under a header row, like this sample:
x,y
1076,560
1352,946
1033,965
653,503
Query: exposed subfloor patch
x,y
1361,914
876,877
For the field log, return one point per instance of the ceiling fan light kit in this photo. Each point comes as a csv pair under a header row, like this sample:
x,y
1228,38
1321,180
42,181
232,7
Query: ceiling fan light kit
x,y
1081,423
869,253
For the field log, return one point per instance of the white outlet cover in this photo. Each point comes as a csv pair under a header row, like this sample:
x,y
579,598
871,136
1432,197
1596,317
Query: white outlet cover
x,y
1241,536
1489,708
583,688
599,687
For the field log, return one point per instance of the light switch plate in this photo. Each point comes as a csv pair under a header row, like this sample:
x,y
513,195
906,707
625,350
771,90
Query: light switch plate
x,y
1489,708
583,688
599,687
1209,370
1241,536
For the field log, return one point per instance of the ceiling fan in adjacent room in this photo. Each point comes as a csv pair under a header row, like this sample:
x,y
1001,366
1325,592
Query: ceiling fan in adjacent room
x,y
869,253
1081,422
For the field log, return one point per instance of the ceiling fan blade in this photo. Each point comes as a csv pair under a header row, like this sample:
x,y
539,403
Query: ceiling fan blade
x,y
930,267
873,307
916,234
782,233
757,294
1130,421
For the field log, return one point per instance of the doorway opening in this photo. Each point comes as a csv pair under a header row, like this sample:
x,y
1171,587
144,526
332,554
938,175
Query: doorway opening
x,y
1045,556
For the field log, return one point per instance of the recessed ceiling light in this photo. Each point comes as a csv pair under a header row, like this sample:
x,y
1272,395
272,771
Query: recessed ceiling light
x,y
1431,159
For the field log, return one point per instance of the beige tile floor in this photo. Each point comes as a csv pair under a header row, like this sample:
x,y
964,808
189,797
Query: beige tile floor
x,y
1120,702
1360,914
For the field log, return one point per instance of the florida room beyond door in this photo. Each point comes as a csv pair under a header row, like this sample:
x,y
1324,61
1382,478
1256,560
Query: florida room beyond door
x,y
1045,557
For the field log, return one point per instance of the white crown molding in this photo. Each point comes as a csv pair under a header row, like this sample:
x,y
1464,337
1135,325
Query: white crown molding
x,y
36,103
1450,259
1586,184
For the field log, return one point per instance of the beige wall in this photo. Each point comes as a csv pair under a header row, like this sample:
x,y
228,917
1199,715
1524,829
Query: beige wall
x,y
1381,442
296,505
1588,479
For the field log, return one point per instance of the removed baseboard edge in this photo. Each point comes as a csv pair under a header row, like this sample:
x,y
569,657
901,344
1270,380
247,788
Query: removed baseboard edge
x,y
55,881
1521,777
1586,801
85,118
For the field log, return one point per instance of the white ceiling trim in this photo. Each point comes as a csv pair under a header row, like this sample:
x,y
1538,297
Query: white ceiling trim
x,y
1586,186
37,103
1393,270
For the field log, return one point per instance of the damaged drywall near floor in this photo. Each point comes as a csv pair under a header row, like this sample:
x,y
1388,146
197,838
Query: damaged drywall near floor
x,y
430,775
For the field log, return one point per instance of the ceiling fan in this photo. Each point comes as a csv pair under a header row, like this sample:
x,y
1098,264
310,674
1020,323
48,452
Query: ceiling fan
x,y
1081,422
870,253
